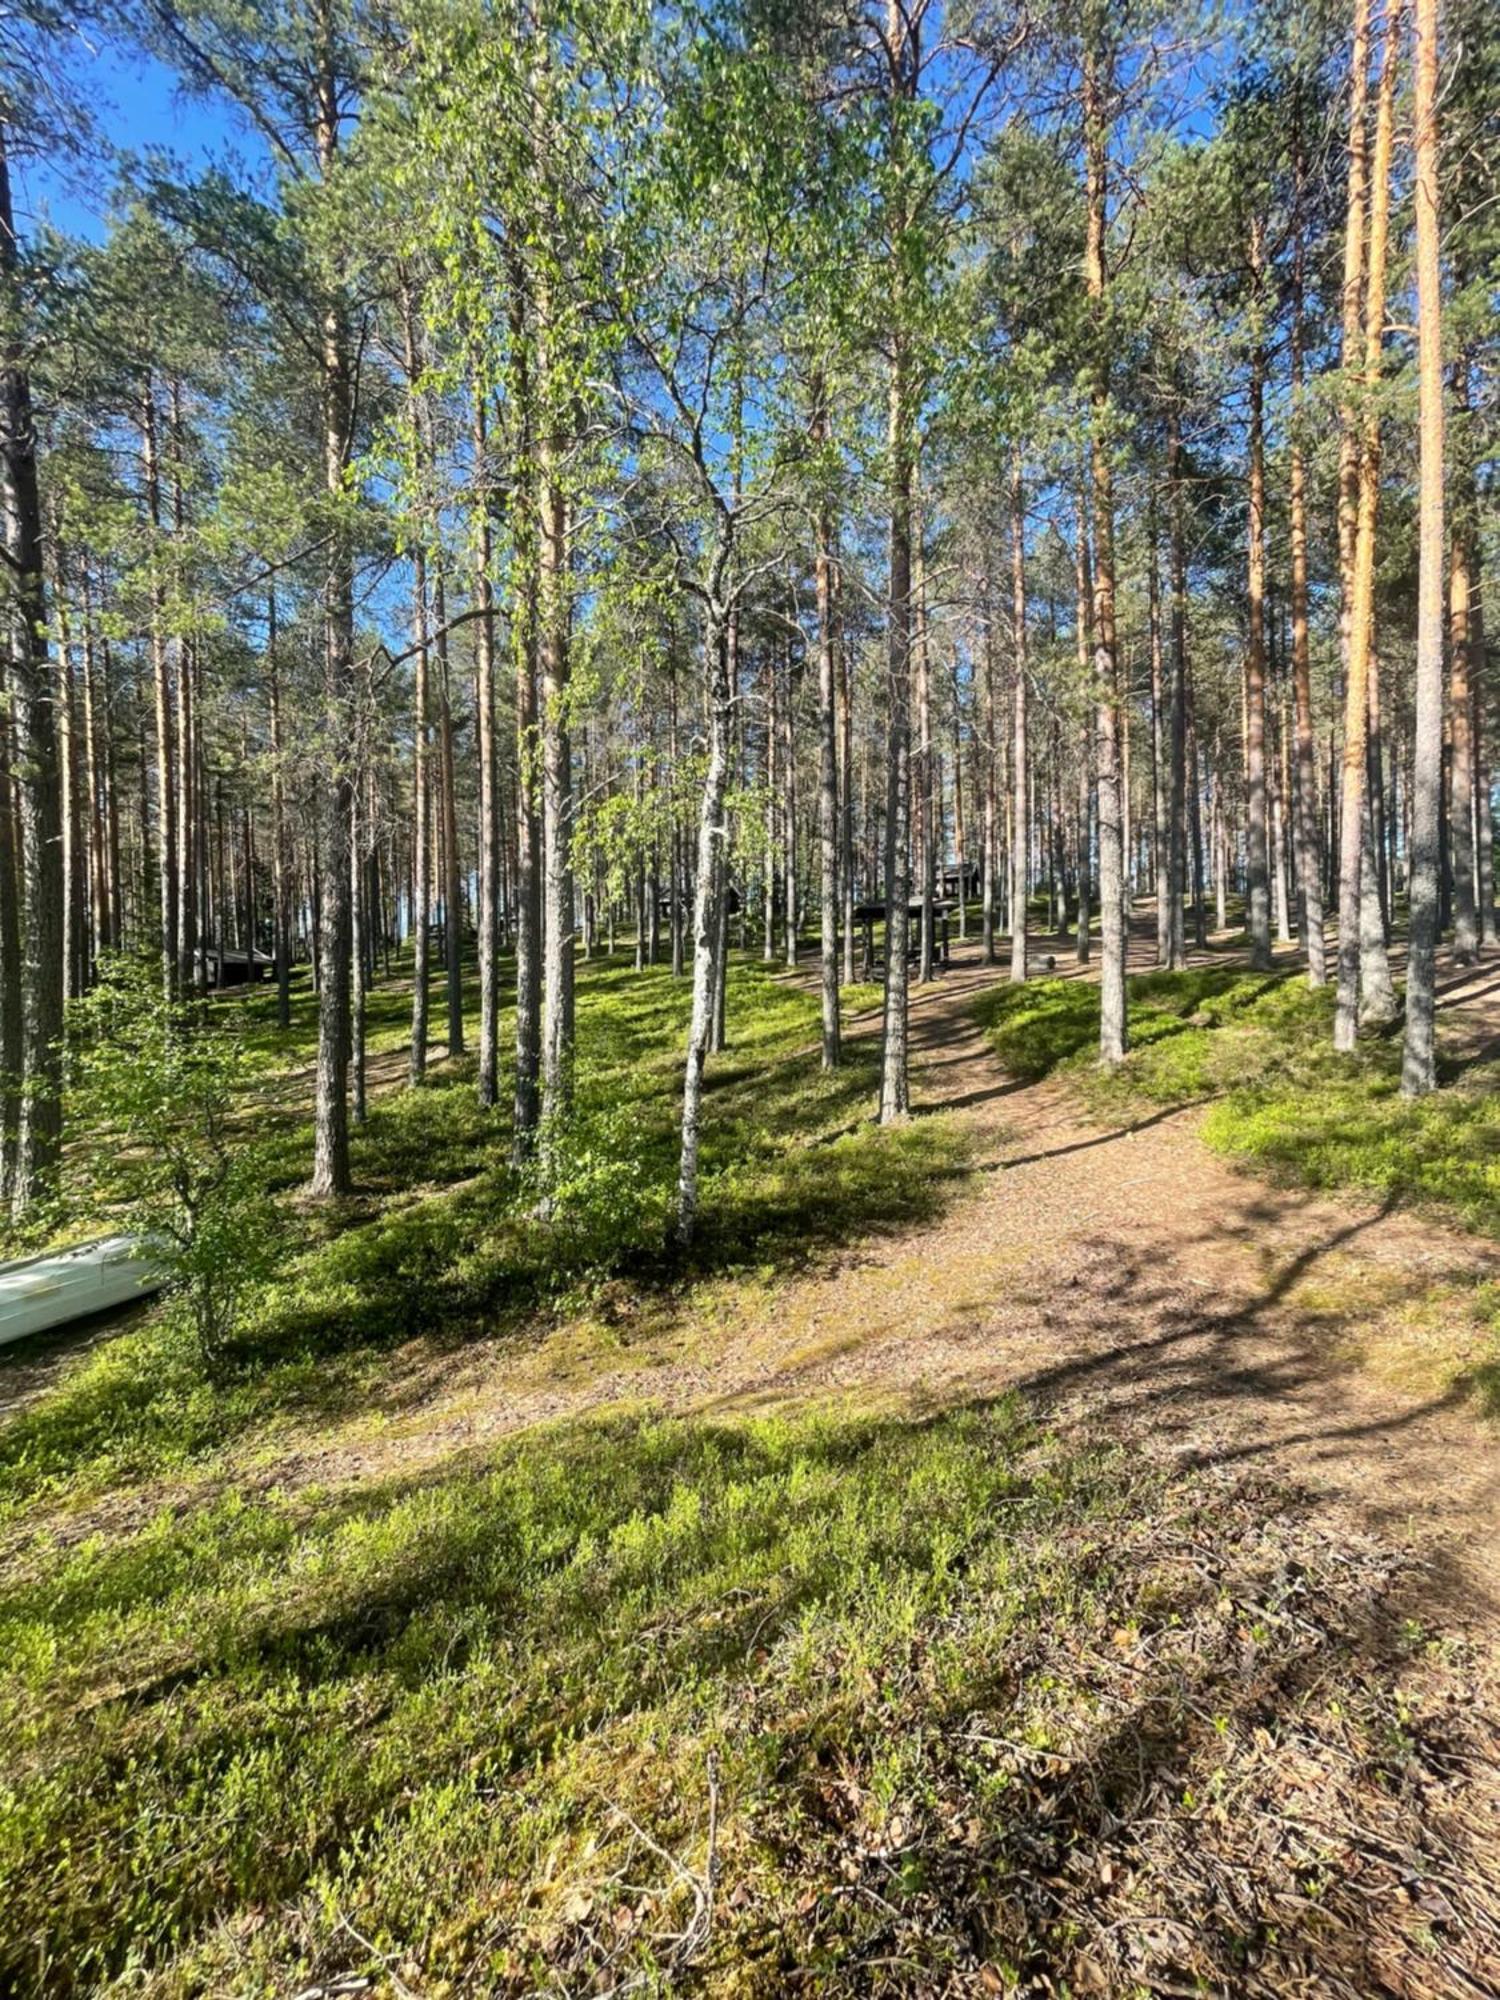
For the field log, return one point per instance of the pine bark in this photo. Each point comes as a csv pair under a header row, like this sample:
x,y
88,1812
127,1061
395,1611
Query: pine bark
x,y
826,558
39,1117
1359,488
330,1175
1257,867
1419,1055
1308,842
1020,842
1113,1027
1463,707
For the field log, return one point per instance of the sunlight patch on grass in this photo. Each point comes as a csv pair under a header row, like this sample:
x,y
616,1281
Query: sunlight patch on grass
x,y
472,1726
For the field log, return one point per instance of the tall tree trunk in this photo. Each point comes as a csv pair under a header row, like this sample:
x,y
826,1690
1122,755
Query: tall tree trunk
x,y
792,913
187,731
772,802
958,808
678,885
826,558
39,1121
1160,728
846,790
69,762
330,1174
991,829
489,810
1257,852
1419,1056
1309,845
1113,1029
111,798
923,830
281,869
706,927
1463,707
453,917
1020,841
895,1083
97,858
525,524
1177,707
1359,489
166,786
359,920
12,968
1084,633
557,795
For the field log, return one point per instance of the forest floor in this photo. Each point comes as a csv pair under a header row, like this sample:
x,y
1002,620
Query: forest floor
x,y
1234,1727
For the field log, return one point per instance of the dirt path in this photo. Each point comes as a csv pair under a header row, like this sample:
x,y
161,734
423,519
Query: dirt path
x,y
1125,1279
1129,1277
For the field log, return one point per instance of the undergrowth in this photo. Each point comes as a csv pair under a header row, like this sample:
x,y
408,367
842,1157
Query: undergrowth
x,y
444,1238
702,1706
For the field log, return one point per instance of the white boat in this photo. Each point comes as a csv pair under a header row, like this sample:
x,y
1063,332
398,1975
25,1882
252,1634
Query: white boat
x,y
61,1285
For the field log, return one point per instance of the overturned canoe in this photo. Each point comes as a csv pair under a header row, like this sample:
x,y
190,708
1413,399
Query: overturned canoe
x,y
62,1285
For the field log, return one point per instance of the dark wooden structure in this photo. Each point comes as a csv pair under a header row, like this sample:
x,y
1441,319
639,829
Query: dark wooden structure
x,y
235,965
868,915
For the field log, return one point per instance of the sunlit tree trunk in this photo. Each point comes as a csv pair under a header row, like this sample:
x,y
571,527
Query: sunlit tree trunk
x,y
557,795
1177,706
846,793
1359,488
489,807
1020,842
165,739
707,890
1160,783
524,621
12,970
330,1174
1113,1032
895,1098
1309,845
448,807
1084,636
923,828
825,560
991,831
1419,1060
1258,907
187,735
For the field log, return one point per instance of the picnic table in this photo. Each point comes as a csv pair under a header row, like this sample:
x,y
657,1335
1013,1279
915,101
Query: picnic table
x,y
868,915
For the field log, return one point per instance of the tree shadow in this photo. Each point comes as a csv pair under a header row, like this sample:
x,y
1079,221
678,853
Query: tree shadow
x,y
975,1694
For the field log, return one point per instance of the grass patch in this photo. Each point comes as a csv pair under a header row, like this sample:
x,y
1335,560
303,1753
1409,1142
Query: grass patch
x,y
932,1683
442,1240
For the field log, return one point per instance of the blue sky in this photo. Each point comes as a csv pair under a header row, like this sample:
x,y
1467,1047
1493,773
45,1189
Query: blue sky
x,y
137,106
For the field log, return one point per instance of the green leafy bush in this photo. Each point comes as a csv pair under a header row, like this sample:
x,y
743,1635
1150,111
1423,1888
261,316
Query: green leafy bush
x,y
156,1098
